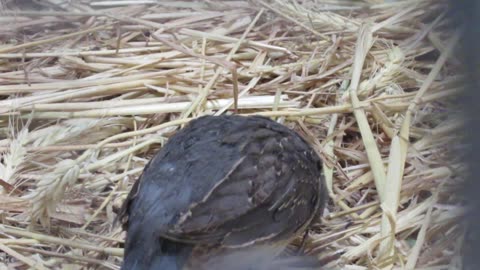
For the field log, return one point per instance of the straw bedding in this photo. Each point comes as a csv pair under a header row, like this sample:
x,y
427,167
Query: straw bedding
x,y
89,90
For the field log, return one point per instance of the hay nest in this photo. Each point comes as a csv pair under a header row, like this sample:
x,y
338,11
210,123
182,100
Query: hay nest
x,y
89,90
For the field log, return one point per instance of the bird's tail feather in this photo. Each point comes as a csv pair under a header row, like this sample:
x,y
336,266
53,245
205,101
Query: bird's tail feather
x,y
163,254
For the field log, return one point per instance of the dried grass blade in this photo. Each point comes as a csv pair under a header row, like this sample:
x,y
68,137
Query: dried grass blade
x,y
392,197
363,45
60,241
20,257
328,151
415,251
430,78
50,40
252,102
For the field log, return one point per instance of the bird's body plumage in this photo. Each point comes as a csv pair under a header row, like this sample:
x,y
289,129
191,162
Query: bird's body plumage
x,y
228,181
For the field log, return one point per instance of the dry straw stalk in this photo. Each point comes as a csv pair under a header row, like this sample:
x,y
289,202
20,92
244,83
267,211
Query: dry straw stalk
x,y
89,90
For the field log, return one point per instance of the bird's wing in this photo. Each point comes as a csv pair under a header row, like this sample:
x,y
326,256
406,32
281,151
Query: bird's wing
x,y
217,183
197,162
271,191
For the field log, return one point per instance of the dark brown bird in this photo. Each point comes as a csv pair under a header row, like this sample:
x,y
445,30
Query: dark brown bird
x,y
225,191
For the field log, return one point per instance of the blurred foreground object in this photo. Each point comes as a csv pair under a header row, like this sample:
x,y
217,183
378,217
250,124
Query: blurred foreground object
x,y
468,11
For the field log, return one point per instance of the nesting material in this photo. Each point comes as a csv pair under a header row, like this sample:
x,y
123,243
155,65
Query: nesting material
x,y
89,90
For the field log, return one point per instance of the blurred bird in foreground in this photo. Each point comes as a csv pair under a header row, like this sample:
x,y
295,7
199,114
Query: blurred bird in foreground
x,y
225,192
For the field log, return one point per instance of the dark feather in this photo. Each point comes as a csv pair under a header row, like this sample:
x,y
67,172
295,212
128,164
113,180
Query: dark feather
x,y
226,181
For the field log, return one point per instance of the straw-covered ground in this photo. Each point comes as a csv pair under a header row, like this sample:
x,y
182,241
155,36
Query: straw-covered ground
x,y
89,90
